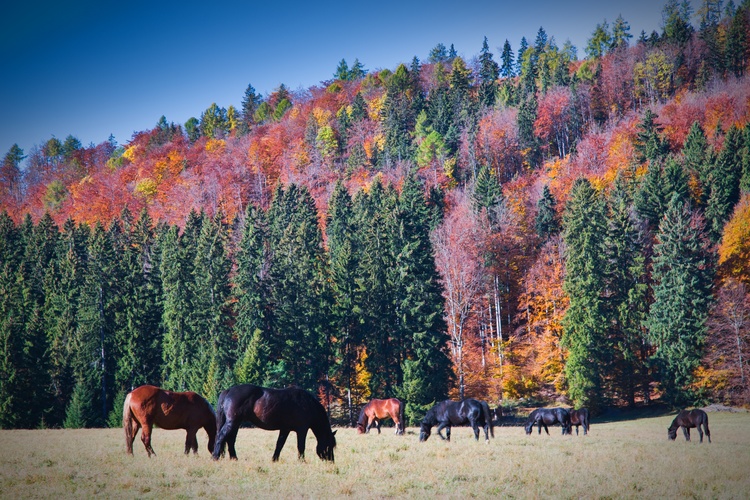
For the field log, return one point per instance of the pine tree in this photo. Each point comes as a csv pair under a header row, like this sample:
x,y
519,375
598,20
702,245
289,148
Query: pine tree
x,y
488,194
626,303
546,220
251,297
299,295
650,144
507,69
725,183
92,356
63,283
488,75
211,303
696,158
585,321
682,274
736,51
342,71
343,261
11,322
250,103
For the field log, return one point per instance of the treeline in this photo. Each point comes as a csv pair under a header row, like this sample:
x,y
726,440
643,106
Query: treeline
x,y
88,313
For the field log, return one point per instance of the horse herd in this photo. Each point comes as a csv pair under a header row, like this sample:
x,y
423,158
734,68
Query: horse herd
x,y
294,409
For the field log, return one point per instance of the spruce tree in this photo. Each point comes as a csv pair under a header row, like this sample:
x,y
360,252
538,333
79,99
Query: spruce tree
x,y
627,302
683,271
585,321
507,69
725,183
488,194
546,221
488,75
11,322
251,298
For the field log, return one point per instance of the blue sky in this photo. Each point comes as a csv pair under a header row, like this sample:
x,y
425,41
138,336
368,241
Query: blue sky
x,y
95,68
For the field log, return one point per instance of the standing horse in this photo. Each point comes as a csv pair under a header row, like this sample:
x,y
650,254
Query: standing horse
x,y
579,417
378,409
548,416
283,410
448,413
687,420
147,406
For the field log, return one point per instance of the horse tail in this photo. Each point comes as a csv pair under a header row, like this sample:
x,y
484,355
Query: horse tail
x,y
488,418
127,421
401,405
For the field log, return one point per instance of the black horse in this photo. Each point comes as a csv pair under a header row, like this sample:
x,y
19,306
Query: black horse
x,y
579,417
543,417
448,413
285,410
687,420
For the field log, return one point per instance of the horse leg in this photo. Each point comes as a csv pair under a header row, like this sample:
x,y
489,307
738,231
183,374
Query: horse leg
x,y
301,437
547,430
146,438
226,435
700,432
191,441
283,434
475,428
584,429
448,433
369,424
486,432
440,427
686,431
134,427
377,424
708,433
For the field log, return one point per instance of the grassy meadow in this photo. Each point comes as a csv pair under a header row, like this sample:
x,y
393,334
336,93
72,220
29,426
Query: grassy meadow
x,y
618,459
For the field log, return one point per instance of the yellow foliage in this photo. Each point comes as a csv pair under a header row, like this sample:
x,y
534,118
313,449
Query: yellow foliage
x,y
734,251
215,146
129,153
322,117
146,187
375,106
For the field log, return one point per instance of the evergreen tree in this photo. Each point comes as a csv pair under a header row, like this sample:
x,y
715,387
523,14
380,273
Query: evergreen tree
x,y
139,333
585,321
250,103
342,71
696,158
620,33
528,142
192,129
211,304
736,47
92,345
399,115
10,175
521,51
343,262
63,284
650,144
251,298
11,322
546,222
725,183
507,69
626,303
180,362
682,275
488,194
488,75
299,296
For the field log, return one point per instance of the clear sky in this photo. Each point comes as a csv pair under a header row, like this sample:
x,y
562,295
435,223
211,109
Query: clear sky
x,y
92,68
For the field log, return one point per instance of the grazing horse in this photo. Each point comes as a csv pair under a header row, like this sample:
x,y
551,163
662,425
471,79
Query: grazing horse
x,y
283,410
448,413
579,417
378,409
543,417
687,420
147,406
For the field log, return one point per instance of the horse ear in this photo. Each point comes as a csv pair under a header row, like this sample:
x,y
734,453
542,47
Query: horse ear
x,y
334,432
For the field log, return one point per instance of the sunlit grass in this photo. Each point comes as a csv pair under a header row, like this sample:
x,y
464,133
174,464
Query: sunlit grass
x,y
630,459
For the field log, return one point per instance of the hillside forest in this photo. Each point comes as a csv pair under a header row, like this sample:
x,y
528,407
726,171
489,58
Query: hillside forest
x,y
529,224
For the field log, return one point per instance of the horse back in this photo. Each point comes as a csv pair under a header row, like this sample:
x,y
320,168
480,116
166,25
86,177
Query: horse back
x,y
170,410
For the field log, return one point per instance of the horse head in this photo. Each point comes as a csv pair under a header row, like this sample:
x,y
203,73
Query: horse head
x,y
529,425
672,433
325,447
424,431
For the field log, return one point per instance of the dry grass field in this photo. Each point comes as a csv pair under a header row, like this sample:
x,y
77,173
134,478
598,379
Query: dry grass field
x,y
627,459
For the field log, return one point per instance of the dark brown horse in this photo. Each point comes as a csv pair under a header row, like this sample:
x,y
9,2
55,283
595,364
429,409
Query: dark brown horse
x,y
579,417
147,406
378,409
687,420
448,413
542,417
283,410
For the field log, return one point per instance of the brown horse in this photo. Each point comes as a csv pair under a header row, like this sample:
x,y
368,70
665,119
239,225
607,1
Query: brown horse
x,y
687,420
378,409
579,417
146,406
